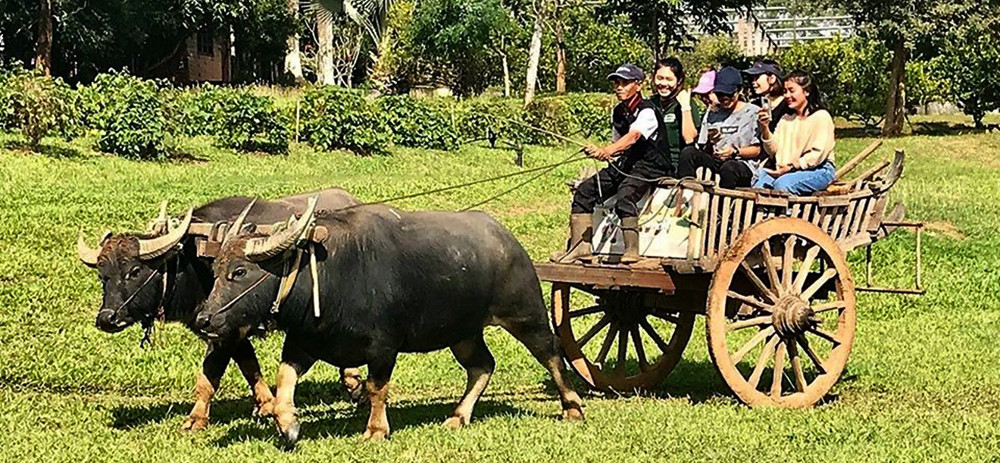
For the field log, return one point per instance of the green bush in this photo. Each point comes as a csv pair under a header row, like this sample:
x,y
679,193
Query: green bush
x,y
37,106
133,122
248,122
420,123
99,101
191,112
337,118
592,113
501,119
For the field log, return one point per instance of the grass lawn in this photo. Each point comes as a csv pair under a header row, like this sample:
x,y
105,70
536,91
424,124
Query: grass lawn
x,y
922,382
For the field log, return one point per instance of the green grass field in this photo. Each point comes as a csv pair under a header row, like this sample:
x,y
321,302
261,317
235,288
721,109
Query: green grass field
x,y
922,382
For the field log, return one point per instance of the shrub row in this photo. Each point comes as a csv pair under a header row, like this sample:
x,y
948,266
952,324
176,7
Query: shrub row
x,y
136,118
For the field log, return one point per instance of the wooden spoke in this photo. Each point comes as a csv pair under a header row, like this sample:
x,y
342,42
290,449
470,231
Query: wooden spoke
x,y
640,352
800,377
757,282
653,334
604,321
779,371
606,346
765,355
787,261
829,306
772,272
829,273
756,321
756,339
749,301
825,335
800,278
811,353
587,311
622,349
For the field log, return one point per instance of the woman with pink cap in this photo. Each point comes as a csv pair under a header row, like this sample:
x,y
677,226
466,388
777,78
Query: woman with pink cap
x,y
704,90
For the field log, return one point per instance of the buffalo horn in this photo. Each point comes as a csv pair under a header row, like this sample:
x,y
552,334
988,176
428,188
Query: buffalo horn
x,y
238,224
159,224
259,249
156,247
87,254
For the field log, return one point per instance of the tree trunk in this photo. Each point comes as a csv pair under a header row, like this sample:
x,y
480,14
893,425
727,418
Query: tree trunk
x,y
293,62
534,54
43,48
895,108
324,52
560,34
506,75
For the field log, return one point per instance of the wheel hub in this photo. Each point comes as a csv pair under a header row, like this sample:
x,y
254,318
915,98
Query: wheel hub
x,y
792,316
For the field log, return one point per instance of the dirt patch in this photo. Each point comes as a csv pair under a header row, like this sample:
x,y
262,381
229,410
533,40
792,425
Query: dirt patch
x,y
946,229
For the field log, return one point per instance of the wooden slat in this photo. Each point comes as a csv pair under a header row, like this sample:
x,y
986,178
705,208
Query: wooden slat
x,y
853,162
748,214
828,214
727,203
604,276
713,225
694,233
838,219
734,230
861,215
845,227
796,211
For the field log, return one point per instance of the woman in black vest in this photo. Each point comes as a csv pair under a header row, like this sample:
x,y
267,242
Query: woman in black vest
x,y
673,103
639,161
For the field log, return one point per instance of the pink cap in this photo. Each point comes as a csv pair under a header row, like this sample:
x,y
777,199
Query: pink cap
x,y
706,83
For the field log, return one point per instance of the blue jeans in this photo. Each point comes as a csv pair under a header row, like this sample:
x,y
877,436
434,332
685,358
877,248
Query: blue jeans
x,y
799,182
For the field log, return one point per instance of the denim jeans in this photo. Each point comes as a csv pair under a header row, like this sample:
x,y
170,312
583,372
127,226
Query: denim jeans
x,y
799,182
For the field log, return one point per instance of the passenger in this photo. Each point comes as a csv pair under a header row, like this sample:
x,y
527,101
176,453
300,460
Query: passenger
x,y
802,145
769,87
703,91
641,160
673,103
729,141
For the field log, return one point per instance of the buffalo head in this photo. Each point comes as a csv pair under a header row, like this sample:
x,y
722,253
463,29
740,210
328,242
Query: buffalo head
x,y
248,273
131,269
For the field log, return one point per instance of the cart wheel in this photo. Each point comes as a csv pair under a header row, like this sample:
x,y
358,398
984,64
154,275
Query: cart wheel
x,y
648,342
783,289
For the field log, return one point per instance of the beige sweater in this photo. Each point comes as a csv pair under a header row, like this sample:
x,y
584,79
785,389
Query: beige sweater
x,y
803,143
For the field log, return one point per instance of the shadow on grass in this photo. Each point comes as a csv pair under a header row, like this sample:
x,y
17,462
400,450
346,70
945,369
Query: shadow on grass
x,y
946,129
337,423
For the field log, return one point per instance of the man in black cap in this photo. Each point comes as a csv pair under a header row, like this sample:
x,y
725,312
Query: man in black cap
x,y
729,140
641,159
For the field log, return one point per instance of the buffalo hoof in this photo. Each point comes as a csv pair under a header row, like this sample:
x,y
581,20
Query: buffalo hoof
x,y
265,409
374,435
291,435
572,414
194,423
454,422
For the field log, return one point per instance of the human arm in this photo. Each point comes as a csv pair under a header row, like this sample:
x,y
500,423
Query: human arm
x,y
644,127
689,131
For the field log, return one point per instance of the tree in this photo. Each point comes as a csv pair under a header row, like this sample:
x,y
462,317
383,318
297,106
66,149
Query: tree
x,y
43,50
969,64
293,59
665,25
909,27
534,53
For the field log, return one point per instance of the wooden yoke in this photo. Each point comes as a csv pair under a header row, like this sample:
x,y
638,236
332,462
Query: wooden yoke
x,y
209,236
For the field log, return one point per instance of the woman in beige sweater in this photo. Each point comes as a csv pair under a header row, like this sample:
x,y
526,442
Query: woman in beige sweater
x,y
802,144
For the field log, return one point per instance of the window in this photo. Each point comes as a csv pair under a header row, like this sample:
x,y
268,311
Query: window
x,y
206,43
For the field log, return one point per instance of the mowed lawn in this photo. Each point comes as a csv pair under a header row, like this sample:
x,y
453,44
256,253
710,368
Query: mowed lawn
x,y
922,384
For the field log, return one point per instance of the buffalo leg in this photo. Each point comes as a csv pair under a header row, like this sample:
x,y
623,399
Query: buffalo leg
x,y
351,379
294,363
377,387
212,367
543,345
479,364
246,358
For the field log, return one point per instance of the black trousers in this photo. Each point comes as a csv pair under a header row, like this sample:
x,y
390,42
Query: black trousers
x,y
732,173
612,181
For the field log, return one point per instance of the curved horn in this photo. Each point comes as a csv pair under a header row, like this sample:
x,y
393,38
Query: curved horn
x,y
160,223
234,229
87,254
156,247
258,249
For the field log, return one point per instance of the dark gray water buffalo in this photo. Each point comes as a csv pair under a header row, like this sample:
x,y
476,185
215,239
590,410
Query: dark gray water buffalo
x,y
149,277
389,282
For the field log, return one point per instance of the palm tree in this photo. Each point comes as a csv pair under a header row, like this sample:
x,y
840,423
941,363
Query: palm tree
x,y
369,15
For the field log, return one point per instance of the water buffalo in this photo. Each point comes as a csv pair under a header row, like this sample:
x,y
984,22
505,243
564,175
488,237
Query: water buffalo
x,y
145,277
389,282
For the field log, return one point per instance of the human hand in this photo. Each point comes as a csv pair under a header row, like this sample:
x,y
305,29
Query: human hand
x,y
600,154
764,117
684,99
714,136
725,152
781,170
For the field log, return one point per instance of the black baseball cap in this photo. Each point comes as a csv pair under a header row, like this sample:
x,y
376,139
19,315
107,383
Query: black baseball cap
x,y
761,67
728,80
627,72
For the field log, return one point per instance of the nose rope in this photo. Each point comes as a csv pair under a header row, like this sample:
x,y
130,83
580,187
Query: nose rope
x,y
136,293
244,293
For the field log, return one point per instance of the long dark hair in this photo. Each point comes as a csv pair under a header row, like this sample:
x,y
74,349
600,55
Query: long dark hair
x,y
675,66
778,89
814,100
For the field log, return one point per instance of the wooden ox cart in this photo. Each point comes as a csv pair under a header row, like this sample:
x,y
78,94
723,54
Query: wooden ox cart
x,y
768,271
